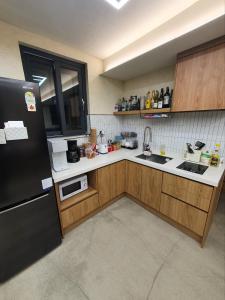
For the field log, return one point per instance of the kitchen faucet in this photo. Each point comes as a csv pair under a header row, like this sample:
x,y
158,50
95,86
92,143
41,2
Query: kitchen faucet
x,y
147,140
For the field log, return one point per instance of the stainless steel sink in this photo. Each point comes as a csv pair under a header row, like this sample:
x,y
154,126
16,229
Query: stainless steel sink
x,y
159,159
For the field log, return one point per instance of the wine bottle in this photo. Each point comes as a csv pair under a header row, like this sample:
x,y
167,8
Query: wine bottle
x,y
161,98
171,98
166,98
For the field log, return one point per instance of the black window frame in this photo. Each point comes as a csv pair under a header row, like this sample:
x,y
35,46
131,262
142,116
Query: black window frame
x,y
59,62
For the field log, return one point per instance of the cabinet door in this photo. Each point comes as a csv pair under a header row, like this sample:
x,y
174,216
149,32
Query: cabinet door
x,y
104,184
80,210
189,191
151,187
200,80
133,184
118,179
184,214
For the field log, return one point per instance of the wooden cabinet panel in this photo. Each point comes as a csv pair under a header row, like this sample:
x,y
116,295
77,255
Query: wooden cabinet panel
x,y
200,80
133,183
151,187
118,178
184,214
104,184
111,181
75,213
189,191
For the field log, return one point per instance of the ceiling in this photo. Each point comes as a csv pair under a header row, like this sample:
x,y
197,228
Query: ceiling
x,y
93,26
165,54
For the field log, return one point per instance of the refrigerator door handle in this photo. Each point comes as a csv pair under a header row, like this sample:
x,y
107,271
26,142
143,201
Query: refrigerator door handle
x,y
24,203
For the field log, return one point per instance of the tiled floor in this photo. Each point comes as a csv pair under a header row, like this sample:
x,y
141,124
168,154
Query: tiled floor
x,y
126,253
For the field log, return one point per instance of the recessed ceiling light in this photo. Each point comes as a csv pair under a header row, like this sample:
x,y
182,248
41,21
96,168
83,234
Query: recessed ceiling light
x,y
117,3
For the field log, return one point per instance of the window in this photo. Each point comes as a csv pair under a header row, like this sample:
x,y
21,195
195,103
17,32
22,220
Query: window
x,y
62,85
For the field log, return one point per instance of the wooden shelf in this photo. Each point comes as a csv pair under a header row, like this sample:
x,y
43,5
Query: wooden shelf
x,y
77,198
156,111
130,112
144,111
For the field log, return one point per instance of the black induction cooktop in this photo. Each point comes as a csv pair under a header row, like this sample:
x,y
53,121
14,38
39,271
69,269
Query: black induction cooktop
x,y
191,167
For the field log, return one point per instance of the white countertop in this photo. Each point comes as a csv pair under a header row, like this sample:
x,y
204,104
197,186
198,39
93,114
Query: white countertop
x,y
211,176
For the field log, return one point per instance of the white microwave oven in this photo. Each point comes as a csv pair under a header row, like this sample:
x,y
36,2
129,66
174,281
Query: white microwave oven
x,y
72,187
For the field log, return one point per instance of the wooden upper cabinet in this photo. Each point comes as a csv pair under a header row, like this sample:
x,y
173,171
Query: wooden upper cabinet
x,y
118,179
151,187
200,78
133,179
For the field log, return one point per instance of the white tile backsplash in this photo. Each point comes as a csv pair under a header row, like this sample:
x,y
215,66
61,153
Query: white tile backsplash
x,y
174,132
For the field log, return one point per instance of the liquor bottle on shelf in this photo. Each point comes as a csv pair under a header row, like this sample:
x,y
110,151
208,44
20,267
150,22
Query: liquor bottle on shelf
x,y
161,98
124,105
148,101
166,98
155,96
171,98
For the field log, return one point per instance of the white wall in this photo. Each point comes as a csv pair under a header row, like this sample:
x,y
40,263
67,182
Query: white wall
x,y
155,80
174,132
103,92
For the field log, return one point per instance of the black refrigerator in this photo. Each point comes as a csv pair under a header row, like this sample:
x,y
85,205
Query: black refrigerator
x,y
29,220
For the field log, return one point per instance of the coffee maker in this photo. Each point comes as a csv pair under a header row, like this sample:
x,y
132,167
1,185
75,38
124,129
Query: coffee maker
x,y
73,153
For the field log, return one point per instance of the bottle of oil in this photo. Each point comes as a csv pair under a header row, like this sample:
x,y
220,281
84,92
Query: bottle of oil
x,y
215,159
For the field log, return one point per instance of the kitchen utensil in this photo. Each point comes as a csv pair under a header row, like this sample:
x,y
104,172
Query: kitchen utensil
x,y
189,148
199,145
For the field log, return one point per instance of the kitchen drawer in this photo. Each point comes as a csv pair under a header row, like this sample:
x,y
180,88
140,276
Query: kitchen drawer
x,y
191,192
79,211
184,214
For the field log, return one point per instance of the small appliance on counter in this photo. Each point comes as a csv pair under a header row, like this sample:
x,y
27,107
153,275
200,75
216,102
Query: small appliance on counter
x,y
102,146
71,187
57,149
73,152
129,140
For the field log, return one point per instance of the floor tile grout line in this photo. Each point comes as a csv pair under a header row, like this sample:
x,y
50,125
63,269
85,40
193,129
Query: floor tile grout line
x,y
75,284
161,267
136,234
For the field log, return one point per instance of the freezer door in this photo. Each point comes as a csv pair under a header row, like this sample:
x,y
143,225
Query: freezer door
x,y
23,163
27,232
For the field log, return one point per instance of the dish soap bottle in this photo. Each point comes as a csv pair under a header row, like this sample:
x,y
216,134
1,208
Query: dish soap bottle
x,y
215,159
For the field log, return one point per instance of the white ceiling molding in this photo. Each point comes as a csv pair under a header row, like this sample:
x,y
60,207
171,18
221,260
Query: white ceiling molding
x,y
165,55
202,12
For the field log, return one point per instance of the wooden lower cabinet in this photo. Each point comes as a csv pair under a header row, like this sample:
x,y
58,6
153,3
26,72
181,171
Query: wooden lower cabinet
x,y
191,192
111,181
133,180
184,214
118,178
104,183
151,187
82,209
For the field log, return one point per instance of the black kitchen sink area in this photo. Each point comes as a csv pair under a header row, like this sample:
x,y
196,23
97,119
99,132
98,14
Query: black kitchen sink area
x,y
156,158
192,167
